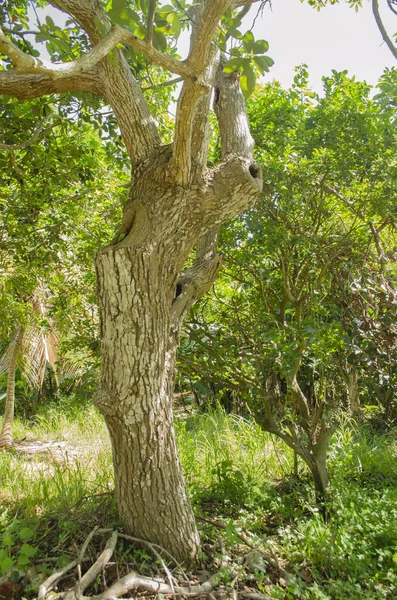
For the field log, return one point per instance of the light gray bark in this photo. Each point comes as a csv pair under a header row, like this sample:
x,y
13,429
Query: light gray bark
x,y
144,295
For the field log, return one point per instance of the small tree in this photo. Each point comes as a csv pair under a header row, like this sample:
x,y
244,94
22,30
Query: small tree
x,y
281,329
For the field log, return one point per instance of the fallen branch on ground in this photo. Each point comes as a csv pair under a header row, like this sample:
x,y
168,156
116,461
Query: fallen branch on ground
x,y
131,582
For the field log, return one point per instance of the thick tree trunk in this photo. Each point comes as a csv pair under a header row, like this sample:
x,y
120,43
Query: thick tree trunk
x,y
6,438
139,344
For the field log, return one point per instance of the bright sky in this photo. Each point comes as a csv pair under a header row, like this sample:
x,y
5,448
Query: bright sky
x,y
334,38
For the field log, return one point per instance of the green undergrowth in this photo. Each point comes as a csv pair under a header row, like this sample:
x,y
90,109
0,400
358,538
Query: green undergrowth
x,y
237,475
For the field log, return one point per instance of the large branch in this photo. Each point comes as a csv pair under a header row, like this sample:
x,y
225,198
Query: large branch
x,y
195,281
231,112
117,83
207,26
234,186
26,86
27,64
201,122
201,65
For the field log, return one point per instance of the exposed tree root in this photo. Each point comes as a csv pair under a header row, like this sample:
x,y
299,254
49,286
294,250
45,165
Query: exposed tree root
x,y
133,581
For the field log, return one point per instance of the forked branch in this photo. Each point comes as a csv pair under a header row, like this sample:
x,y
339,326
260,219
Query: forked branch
x,y
196,90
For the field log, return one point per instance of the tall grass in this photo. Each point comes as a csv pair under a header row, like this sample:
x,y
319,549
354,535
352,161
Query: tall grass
x,y
56,477
234,471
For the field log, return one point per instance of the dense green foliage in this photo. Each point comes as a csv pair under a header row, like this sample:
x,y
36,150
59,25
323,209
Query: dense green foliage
x,y
301,324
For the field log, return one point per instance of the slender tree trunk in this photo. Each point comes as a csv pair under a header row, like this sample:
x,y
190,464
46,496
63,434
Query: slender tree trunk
x,y
319,470
6,438
353,395
139,348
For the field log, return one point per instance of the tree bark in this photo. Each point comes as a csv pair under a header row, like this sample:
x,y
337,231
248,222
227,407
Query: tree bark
x,y
6,439
139,348
318,467
353,395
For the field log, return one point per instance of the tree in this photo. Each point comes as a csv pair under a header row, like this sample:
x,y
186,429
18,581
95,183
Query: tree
x,y
291,327
175,205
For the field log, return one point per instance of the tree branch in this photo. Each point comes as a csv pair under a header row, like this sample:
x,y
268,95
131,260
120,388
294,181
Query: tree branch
x,y
207,24
27,64
207,15
197,279
201,121
234,186
116,81
150,20
26,86
231,112
382,29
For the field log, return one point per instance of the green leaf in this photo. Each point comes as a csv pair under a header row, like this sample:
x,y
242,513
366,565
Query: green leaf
x,y
118,6
27,550
260,47
23,560
166,9
263,63
99,25
248,41
234,64
141,32
6,564
25,533
50,22
236,33
125,17
235,51
248,81
113,58
174,21
41,37
7,539
159,40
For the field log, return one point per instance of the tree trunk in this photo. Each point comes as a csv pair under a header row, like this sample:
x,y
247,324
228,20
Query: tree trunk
x,y
6,438
319,470
353,395
139,345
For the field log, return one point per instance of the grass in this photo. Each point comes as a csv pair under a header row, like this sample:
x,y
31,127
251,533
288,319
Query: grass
x,y
235,473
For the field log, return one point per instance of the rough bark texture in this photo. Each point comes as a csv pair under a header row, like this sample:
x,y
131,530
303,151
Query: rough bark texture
x,y
6,438
138,355
144,295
